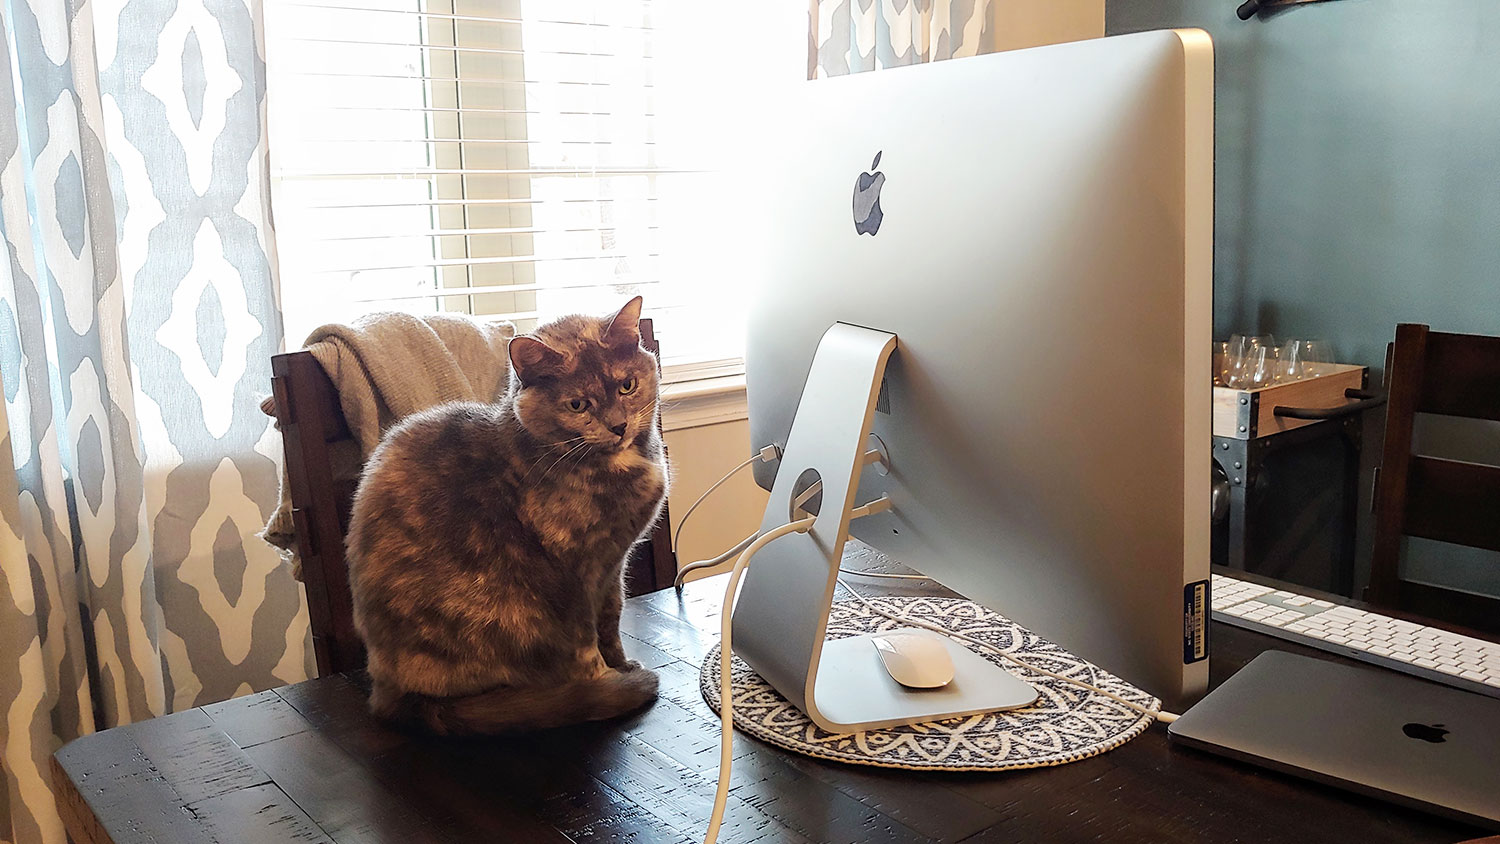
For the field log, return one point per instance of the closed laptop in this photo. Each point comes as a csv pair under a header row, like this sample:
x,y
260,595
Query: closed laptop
x,y
1373,731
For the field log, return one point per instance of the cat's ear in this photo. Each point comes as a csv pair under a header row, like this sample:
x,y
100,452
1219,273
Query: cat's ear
x,y
624,330
531,358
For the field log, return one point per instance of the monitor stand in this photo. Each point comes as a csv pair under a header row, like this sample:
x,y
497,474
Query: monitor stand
x,y
782,613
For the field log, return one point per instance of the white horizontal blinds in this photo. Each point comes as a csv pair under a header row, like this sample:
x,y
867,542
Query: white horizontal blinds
x,y
574,141
488,156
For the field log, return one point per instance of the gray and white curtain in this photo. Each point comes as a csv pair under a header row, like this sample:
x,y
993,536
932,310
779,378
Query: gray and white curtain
x,y
849,36
137,320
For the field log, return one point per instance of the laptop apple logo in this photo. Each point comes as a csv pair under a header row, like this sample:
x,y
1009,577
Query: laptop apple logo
x,y
1425,732
867,214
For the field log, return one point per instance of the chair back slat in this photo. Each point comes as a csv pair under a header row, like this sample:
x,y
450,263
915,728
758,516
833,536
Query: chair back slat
x,y
1471,610
1453,501
1461,376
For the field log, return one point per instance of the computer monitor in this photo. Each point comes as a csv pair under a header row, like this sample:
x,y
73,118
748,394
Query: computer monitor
x,y
1035,230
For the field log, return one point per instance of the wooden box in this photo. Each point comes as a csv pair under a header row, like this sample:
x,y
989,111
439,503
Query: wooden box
x,y
1248,414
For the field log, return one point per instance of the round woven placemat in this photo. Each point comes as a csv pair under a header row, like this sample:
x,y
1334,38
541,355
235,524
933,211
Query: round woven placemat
x,y
1067,722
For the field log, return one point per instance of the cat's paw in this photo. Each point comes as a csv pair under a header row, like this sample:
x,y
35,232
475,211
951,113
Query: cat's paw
x,y
631,665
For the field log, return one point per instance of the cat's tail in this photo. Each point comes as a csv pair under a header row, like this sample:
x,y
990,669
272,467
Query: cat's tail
x,y
510,709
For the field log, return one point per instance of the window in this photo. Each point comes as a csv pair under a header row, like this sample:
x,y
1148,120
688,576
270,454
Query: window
x,y
521,158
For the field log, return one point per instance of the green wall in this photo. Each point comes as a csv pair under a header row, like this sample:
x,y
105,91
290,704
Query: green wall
x,y
1357,184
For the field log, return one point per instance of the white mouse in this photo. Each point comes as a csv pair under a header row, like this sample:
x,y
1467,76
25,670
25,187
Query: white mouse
x,y
916,660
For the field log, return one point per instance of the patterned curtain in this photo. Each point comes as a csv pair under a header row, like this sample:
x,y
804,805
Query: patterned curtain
x,y
849,36
137,319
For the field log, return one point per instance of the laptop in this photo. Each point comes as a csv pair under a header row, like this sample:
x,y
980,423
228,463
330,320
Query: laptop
x,y
1376,732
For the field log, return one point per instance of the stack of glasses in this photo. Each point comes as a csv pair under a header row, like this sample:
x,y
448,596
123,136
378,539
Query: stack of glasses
x,y
1253,361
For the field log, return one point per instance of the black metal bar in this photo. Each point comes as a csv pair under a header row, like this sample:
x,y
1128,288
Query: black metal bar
x,y
1365,401
1250,8
1353,430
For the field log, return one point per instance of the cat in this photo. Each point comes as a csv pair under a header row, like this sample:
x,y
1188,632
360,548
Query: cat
x,y
487,541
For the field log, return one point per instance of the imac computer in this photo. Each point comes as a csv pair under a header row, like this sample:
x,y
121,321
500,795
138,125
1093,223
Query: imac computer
x,y
996,273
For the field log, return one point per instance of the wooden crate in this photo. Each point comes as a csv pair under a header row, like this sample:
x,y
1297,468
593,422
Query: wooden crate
x,y
1248,414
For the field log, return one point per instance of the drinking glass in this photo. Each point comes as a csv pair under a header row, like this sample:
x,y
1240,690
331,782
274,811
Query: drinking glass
x,y
1251,362
1316,356
1236,352
1260,368
1290,365
1221,363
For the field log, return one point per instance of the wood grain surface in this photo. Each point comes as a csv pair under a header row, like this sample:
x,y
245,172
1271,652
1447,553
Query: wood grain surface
x,y
306,763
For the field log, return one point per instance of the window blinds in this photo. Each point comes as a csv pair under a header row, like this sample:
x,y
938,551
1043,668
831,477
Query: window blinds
x,y
494,157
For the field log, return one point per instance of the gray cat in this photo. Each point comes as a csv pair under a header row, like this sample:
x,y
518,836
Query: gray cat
x,y
487,541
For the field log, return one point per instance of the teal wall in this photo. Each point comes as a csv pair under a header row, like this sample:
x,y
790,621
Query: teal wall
x,y
1357,165
1357,183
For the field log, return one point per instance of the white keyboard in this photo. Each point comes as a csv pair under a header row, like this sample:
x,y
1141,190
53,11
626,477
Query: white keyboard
x,y
1460,661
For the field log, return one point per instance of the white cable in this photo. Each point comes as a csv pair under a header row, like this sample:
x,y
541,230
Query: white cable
x,y
709,563
1165,717
765,455
816,487
884,575
683,572
726,656
745,543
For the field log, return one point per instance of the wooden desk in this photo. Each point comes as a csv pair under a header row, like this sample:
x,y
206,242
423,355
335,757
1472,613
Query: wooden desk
x,y
306,763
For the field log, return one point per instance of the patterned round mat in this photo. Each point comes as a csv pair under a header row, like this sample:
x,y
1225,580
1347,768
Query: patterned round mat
x,y
1067,722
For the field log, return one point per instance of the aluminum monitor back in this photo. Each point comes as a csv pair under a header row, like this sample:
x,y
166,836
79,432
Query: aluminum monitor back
x,y
1042,249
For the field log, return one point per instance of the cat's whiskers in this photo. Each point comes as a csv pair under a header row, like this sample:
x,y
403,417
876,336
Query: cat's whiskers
x,y
588,449
544,475
548,451
644,414
553,449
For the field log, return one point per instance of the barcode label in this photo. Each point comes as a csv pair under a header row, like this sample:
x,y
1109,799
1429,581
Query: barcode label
x,y
1195,622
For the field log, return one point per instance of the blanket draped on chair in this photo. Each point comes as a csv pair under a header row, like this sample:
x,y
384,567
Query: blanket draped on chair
x,y
389,365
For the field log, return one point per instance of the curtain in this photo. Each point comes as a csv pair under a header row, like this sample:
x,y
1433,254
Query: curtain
x,y
137,319
849,36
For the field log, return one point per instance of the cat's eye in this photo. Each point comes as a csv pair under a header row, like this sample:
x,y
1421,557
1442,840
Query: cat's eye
x,y
578,405
628,385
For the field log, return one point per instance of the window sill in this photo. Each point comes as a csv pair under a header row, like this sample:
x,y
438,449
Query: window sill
x,y
709,401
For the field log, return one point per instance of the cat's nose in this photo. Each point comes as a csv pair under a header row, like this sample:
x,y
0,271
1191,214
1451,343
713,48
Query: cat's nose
x,y
618,429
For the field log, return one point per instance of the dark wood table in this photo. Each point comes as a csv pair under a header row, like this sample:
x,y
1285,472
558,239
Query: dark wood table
x,y
306,763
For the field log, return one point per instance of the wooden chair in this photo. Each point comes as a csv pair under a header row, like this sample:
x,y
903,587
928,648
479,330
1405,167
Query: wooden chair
x,y
1431,497
312,429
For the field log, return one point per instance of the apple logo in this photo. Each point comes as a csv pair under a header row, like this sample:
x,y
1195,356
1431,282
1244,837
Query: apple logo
x,y
867,214
1425,732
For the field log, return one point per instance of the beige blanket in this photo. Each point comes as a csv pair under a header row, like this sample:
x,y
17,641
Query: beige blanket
x,y
389,365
